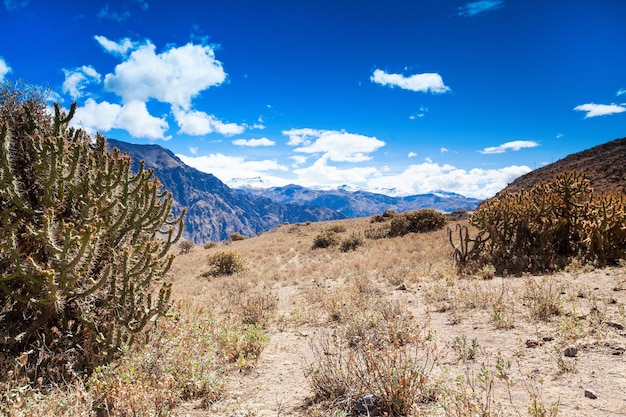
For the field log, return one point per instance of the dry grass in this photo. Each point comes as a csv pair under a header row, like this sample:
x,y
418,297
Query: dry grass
x,y
305,331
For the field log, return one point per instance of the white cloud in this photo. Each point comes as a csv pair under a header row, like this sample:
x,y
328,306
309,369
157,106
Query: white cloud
x,y
298,159
120,48
429,176
254,142
301,136
227,168
133,117
322,174
443,150
594,110
121,12
76,80
515,145
338,146
478,7
198,123
193,150
425,82
621,91
174,76
4,69
412,154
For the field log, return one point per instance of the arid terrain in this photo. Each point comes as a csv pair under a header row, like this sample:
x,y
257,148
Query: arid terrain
x,y
484,345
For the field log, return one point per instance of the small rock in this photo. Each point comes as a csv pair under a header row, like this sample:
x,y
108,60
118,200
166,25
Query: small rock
x,y
354,341
532,343
367,405
547,338
615,325
619,350
570,351
401,287
589,393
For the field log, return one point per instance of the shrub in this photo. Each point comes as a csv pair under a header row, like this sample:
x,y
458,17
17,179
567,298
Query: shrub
x,y
185,247
420,221
338,228
351,243
236,236
226,262
325,240
84,242
210,245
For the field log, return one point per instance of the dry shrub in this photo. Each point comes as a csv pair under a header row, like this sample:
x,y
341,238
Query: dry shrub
x,y
397,376
226,262
419,221
185,247
235,236
543,297
242,345
351,243
337,228
325,239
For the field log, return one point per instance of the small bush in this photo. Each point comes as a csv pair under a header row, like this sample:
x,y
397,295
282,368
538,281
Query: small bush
x,y
337,228
226,262
325,240
351,243
210,245
420,221
185,247
235,236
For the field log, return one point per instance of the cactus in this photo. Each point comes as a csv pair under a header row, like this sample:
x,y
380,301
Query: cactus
x,y
84,244
464,254
544,228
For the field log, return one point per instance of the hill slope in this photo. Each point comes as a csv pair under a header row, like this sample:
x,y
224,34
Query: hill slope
x,y
214,210
604,165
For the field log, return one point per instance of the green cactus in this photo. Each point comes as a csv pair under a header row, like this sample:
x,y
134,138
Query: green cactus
x,y
84,243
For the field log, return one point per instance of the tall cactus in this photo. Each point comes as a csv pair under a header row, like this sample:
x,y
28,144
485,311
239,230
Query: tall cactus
x,y
84,242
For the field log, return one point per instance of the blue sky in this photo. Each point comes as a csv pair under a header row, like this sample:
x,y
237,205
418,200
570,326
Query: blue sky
x,y
401,97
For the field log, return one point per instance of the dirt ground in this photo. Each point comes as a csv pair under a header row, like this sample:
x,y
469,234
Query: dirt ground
x,y
564,359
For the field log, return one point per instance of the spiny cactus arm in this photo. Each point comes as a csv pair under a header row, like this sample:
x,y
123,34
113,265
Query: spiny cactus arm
x,y
60,122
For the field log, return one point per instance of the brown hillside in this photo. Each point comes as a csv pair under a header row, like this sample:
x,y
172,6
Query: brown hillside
x,y
604,165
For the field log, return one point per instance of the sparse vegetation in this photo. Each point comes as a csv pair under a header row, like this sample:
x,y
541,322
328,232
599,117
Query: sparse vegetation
x,y
325,240
226,262
351,243
185,247
236,236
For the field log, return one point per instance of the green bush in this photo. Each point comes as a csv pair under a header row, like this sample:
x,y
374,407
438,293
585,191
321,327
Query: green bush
x,y
226,262
84,242
325,240
419,221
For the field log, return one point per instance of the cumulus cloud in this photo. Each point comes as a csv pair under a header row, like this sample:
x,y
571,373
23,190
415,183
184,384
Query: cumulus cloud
x,y
298,159
412,154
76,80
227,167
174,76
443,150
4,69
430,176
337,146
253,143
198,123
621,91
425,82
321,173
133,117
595,110
515,145
479,7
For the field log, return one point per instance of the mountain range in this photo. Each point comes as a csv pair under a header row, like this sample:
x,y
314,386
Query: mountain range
x,y
215,210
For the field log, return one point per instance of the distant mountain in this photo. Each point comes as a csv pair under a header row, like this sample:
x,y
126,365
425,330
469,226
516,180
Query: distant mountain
x,y
604,165
214,210
362,203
